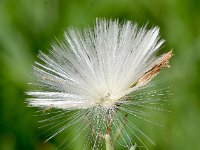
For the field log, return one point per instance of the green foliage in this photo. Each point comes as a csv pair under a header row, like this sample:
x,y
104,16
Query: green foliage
x,y
26,26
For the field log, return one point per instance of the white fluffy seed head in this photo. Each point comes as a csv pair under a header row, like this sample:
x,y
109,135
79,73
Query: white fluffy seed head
x,y
96,67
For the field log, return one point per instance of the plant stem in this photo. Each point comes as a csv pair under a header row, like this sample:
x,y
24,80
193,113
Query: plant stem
x,y
133,147
109,121
108,142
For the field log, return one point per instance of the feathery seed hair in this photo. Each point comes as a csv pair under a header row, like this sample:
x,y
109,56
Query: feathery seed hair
x,y
92,77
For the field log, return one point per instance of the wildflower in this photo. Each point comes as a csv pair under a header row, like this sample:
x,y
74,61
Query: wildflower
x,y
95,72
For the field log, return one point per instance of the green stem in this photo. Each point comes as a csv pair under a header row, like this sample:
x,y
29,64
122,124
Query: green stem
x,y
133,147
108,142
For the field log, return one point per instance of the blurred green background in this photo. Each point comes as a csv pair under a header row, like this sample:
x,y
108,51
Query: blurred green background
x,y
27,26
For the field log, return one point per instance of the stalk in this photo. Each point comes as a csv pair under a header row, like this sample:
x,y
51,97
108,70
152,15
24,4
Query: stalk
x,y
133,147
108,142
109,121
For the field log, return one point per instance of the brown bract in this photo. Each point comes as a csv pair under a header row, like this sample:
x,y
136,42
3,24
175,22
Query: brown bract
x,y
149,75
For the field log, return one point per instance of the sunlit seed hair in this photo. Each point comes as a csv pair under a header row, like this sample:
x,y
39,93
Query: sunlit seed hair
x,y
95,72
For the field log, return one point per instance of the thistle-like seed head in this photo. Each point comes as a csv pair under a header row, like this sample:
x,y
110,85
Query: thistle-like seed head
x,y
97,69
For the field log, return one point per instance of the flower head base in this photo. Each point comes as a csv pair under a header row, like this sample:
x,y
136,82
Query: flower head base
x,y
98,68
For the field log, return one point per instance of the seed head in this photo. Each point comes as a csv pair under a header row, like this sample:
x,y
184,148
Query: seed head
x,y
96,70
